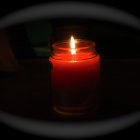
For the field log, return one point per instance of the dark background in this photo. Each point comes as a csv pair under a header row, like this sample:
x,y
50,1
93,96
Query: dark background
x,y
9,7
103,33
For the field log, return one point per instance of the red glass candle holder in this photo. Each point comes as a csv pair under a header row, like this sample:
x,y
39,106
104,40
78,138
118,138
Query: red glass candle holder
x,y
75,77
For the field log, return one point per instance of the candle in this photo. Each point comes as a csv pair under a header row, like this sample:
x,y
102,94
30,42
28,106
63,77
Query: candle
x,y
75,77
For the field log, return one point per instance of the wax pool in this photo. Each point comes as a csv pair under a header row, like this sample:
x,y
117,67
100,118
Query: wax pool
x,y
75,83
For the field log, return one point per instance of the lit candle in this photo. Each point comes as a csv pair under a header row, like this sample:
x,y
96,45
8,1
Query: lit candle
x,y
75,77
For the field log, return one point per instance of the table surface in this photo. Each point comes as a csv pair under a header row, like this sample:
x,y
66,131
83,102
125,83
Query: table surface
x,y
26,92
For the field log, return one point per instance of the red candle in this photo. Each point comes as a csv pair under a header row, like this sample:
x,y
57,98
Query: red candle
x,y
75,77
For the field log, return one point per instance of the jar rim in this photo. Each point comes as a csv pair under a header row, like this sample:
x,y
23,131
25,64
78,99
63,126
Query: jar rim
x,y
85,49
65,43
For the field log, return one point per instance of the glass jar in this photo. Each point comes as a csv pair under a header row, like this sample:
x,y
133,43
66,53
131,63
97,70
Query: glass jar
x,y
75,77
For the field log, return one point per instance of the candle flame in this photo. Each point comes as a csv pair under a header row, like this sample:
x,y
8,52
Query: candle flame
x,y
73,50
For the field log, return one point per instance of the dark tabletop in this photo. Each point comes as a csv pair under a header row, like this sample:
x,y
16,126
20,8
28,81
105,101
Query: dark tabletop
x,y
26,93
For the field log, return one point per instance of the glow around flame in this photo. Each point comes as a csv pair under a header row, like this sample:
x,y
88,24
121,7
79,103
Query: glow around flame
x,y
73,50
